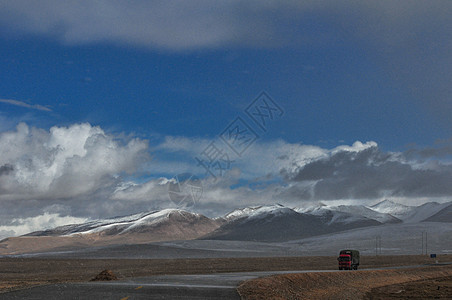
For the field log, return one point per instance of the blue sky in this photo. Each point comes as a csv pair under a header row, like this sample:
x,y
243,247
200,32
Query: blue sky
x,y
159,81
331,94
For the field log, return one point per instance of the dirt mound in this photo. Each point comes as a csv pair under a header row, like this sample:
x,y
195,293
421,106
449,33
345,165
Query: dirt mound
x,y
105,275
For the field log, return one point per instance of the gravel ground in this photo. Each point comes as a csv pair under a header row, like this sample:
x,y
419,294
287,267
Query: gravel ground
x,y
369,284
438,288
16,273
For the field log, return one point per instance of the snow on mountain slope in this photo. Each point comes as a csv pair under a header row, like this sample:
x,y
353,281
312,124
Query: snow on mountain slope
x,y
410,214
444,215
359,211
395,209
279,223
332,216
252,222
267,223
118,225
258,211
425,211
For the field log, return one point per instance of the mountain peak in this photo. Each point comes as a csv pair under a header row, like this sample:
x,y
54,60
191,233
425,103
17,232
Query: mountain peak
x,y
384,203
391,207
254,211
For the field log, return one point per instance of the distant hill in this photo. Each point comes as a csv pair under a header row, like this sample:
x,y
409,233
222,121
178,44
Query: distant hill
x,y
157,225
270,223
444,215
278,223
395,209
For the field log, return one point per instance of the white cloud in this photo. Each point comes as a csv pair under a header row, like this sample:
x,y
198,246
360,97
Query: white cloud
x,y
259,170
23,104
260,159
77,172
64,162
152,191
188,145
20,226
178,24
356,147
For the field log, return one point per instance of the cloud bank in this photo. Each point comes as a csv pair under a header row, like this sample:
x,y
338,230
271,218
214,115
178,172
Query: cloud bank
x,y
79,172
370,173
178,24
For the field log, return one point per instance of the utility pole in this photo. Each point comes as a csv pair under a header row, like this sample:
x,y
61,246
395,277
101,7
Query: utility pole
x,y
426,249
426,243
379,242
377,245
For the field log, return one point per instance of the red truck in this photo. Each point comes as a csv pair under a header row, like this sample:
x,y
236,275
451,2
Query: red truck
x,y
348,260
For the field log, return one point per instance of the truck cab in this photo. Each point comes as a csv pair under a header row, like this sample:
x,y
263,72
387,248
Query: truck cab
x,y
348,260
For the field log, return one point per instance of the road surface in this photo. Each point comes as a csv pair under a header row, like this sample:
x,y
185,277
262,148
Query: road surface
x,y
209,286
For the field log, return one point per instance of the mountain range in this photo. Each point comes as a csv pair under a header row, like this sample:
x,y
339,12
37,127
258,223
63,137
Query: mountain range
x,y
271,223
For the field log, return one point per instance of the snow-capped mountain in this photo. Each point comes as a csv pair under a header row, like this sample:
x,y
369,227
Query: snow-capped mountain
x,y
280,223
363,211
270,223
258,211
350,213
444,215
267,223
332,216
169,222
424,212
411,214
395,209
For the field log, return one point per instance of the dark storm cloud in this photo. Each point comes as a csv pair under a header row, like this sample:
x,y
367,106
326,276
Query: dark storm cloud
x,y
425,153
6,169
370,174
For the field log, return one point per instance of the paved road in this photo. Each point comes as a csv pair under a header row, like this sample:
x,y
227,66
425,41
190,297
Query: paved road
x,y
212,286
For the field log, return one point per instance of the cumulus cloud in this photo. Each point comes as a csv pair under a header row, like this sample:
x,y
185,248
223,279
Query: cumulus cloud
x,y
360,171
253,179
63,162
70,174
276,155
370,173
